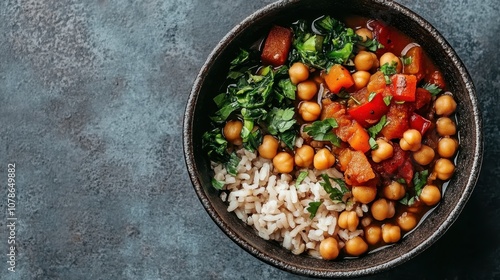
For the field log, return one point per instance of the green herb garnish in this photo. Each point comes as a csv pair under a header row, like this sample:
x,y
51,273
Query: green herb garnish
x,y
323,131
432,88
300,178
313,208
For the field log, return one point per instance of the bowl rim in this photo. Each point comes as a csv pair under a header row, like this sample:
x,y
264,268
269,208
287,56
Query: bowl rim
x,y
263,256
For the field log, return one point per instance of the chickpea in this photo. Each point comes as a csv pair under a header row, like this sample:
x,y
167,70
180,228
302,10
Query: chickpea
x,y
298,72
232,131
361,79
445,126
407,221
373,234
376,63
430,195
411,140
391,233
283,162
348,220
365,34
382,209
444,168
323,159
364,194
269,147
384,151
363,61
309,111
445,105
304,156
329,248
424,155
390,58
447,147
356,246
394,191
307,90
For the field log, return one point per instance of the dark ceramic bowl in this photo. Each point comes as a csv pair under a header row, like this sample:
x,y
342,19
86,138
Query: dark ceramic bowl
x,y
434,226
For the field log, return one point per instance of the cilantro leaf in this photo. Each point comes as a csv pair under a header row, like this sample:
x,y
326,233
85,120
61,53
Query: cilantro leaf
x,y
218,185
388,70
334,193
374,130
280,120
406,60
232,164
371,44
432,88
419,181
323,131
300,178
287,89
313,208
371,96
387,100
373,143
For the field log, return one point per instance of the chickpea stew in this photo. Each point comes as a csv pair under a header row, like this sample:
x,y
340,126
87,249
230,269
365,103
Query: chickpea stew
x,y
354,107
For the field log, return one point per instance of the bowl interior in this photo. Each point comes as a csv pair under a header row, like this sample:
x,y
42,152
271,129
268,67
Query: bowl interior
x,y
213,73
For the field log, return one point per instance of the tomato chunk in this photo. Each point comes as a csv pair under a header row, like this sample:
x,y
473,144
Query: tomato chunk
x,y
277,46
357,169
398,119
338,78
419,123
422,98
370,111
348,130
403,87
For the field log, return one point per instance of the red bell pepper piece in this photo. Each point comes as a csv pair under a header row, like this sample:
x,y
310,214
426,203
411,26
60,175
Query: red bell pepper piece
x,y
337,78
369,112
277,46
403,87
419,123
422,98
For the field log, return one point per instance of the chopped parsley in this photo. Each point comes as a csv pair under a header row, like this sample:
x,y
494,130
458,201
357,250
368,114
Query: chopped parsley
x,y
374,130
432,88
371,44
371,96
335,194
300,178
419,181
218,185
313,208
406,60
323,131
387,100
388,70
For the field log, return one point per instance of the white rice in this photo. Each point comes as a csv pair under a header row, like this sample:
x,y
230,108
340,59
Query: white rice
x,y
277,209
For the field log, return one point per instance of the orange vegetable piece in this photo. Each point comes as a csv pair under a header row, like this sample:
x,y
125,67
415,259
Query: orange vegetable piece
x,y
359,139
338,78
358,169
403,87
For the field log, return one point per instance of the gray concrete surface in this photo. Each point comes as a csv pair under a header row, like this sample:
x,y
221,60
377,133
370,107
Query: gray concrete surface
x,y
92,95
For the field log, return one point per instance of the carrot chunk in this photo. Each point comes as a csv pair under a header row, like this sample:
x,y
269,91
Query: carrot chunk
x,y
338,78
277,46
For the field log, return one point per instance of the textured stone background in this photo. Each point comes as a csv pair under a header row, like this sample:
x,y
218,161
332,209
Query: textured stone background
x,y
92,95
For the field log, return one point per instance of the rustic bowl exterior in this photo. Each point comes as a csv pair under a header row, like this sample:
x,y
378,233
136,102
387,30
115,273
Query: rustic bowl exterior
x,y
457,193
